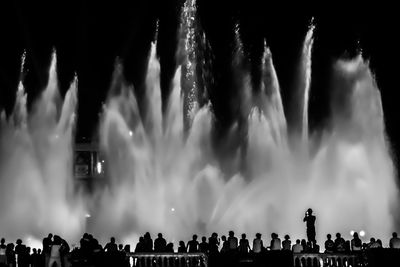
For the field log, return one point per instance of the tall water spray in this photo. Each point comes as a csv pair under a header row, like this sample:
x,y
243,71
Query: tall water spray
x,y
36,185
166,178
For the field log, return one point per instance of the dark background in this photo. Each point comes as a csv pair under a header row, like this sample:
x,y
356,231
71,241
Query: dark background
x,y
89,36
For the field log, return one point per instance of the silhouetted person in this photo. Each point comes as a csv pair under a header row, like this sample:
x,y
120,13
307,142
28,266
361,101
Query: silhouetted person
x,y
329,244
306,249
244,246
213,243
121,247
140,245
309,219
203,246
10,253
372,243
55,256
379,242
20,252
170,248
64,251
225,245
111,247
315,248
3,248
356,243
148,242
394,241
258,245
340,243
309,246
275,242
47,242
35,258
347,246
193,245
233,241
160,243
286,243
182,247
41,257
297,247
84,246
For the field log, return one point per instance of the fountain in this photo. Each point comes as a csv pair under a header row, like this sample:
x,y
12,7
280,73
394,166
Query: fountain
x,y
163,174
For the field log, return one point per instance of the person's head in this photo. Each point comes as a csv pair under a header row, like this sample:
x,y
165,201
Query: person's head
x,y
127,248
159,235
355,235
223,238
394,234
39,251
34,251
147,235
338,235
372,240
303,242
274,235
297,241
329,236
287,237
194,237
19,241
120,246
112,239
258,235
379,242
57,240
215,235
204,239
2,241
231,233
141,239
181,243
244,236
50,236
309,211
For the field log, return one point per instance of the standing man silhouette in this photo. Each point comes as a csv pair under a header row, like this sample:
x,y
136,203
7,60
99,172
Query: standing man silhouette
x,y
309,219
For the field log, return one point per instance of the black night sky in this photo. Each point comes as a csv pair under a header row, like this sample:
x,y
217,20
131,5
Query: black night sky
x,y
89,36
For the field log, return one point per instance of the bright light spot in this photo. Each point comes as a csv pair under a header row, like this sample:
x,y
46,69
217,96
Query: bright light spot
x,y
33,242
99,167
130,133
362,233
103,161
87,215
351,232
172,209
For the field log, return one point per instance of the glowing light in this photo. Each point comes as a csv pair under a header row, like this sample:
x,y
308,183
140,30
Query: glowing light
x,y
87,215
99,168
352,232
130,133
362,233
172,209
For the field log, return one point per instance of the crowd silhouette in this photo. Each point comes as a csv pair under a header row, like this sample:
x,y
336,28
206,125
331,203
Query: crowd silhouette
x,y
56,251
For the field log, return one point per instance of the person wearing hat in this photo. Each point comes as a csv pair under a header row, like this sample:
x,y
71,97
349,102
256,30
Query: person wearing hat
x,y
309,219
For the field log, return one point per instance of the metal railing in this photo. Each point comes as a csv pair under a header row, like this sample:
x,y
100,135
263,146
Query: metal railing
x,y
325,260
168,259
